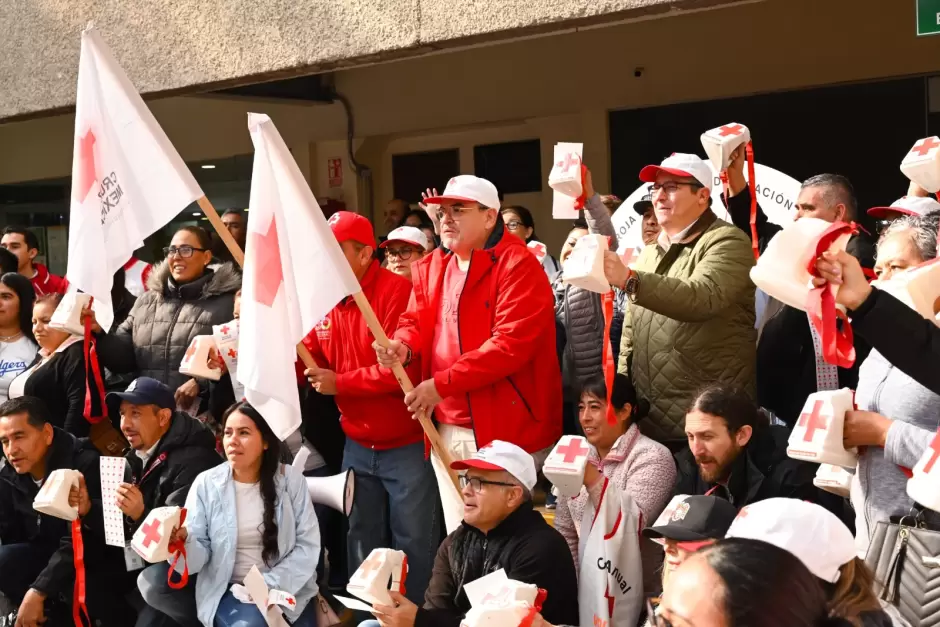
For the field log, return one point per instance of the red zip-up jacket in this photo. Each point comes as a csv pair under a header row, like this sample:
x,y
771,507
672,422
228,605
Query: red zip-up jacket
x,y
506,324
370,401
44,282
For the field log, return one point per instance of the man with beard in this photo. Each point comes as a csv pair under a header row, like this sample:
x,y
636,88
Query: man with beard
x,y
735,454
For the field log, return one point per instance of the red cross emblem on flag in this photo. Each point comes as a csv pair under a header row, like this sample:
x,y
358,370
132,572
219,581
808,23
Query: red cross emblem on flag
x,y
266,270
925,146
813,422
151,534
87,167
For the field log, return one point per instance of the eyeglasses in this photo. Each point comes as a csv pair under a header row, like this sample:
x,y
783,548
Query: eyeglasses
x,y
512,225
183,251
477,484
401,253
670,187
457,212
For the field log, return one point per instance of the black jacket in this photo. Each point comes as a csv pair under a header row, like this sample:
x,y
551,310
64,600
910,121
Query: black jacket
x,y
761,472
60,383
524,545
905,338
187,449
20,523
786,359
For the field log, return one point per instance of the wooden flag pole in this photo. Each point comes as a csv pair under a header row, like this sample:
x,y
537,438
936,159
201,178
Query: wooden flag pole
x,y
429,429
399,371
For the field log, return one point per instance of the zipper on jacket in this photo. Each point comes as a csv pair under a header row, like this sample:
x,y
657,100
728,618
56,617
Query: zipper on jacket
x,y
521,397
169,337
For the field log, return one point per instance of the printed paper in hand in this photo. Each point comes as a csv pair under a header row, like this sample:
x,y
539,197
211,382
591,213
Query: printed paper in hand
x,y
112,475
562,205
478,588
258,589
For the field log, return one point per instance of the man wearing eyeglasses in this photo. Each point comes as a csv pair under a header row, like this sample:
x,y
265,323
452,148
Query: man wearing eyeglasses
x,y
500,530
690,320
404,246
481,321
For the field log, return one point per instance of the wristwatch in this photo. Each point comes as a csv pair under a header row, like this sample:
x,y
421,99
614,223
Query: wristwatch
x,y
632,286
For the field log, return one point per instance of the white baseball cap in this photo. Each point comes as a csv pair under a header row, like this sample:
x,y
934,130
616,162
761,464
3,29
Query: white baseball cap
x,y
408,234
908,205
680,164
468,188
499,455
809,531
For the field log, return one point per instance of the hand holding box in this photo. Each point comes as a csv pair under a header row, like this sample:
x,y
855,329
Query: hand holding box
x,y
53,498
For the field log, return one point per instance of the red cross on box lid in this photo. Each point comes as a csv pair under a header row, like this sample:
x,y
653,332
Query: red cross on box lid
x,y
923,148
732,129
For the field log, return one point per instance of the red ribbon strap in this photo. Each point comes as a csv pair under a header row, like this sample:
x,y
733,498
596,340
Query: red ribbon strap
x,y
752,182
837,346
91,357
179,548
580,200
535,609
607,355
78,557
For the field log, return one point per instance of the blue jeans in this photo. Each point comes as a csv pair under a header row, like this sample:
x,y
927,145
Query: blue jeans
x,y
234,613
396,507
166,606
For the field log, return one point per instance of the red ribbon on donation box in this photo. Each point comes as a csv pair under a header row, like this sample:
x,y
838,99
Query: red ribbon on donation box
x,y
535,609
178,547
580,200
752,184
78,559
837,346
607,358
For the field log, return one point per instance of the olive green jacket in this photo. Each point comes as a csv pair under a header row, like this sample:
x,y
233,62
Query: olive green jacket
x,y
690,323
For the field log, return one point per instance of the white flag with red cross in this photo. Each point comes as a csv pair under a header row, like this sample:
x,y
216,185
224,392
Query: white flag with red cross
x,y
295,273
127,179
922,164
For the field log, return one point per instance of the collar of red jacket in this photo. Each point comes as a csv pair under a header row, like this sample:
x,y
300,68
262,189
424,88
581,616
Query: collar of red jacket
x,y
42,273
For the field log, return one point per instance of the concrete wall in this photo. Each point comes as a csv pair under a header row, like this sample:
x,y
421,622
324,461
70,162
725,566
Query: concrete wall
x,y
172,45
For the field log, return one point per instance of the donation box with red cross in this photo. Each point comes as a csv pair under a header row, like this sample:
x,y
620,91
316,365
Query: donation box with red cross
x,y
196,359
924,484
152,539
817,436
382,571
53,498
564,466
922,164
720,142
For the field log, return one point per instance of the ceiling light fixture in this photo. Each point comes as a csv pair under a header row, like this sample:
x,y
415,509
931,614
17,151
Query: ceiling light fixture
x,y
208,166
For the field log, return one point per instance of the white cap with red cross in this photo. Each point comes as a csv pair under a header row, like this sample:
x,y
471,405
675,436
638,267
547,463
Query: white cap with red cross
x,y
499,455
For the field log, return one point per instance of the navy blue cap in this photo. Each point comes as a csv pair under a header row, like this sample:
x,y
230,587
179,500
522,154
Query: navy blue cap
x,y
142,391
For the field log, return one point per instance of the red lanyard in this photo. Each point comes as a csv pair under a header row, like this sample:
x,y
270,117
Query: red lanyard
x,y
153,466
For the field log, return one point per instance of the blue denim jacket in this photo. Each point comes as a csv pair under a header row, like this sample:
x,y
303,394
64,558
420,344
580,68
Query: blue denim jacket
x,y
211,540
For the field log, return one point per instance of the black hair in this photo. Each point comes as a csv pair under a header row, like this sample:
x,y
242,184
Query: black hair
x,y
204,240
730,403
766,585
580,223
623,393
235,212
838,190
8,261
270,465
423,218
24,291
37,414
525,215
31,240
52,297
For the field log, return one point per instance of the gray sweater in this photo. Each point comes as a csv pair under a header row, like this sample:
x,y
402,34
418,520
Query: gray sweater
x,y
879,490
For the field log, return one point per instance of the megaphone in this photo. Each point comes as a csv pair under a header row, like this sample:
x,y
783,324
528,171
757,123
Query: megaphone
x,y
336,491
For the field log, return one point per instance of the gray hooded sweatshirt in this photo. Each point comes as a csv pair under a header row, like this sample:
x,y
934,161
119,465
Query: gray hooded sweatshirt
x,y
879,489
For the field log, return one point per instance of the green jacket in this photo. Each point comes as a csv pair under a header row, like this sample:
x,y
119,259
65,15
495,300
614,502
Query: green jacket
x,y
690,323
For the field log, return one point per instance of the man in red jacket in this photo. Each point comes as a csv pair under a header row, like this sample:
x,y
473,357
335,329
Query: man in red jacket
x,y
23,243
481,322
396,497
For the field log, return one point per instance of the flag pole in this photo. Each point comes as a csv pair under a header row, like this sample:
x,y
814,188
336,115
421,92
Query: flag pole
x,y
429,429
239,256
405,382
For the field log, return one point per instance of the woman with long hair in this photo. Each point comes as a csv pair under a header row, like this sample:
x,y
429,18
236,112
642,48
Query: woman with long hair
x,y
250,511
18,347
57,374
184,298
632,462
740,582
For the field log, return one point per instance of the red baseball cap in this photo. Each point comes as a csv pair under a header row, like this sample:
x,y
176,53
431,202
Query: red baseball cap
x,y
347,225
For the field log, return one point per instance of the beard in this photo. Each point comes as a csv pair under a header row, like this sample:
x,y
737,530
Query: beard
x,y
717,468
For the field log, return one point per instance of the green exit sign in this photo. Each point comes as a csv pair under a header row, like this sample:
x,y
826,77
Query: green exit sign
x,y
928,17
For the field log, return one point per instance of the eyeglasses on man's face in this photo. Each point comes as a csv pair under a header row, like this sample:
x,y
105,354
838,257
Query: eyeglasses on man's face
x,y
457,211
670,187
476,484
400,253
184,251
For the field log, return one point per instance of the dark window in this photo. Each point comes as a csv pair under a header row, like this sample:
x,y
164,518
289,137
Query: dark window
x,y
415,172
513,167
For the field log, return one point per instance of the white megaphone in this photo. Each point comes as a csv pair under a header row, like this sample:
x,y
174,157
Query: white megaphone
x,y
336,491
